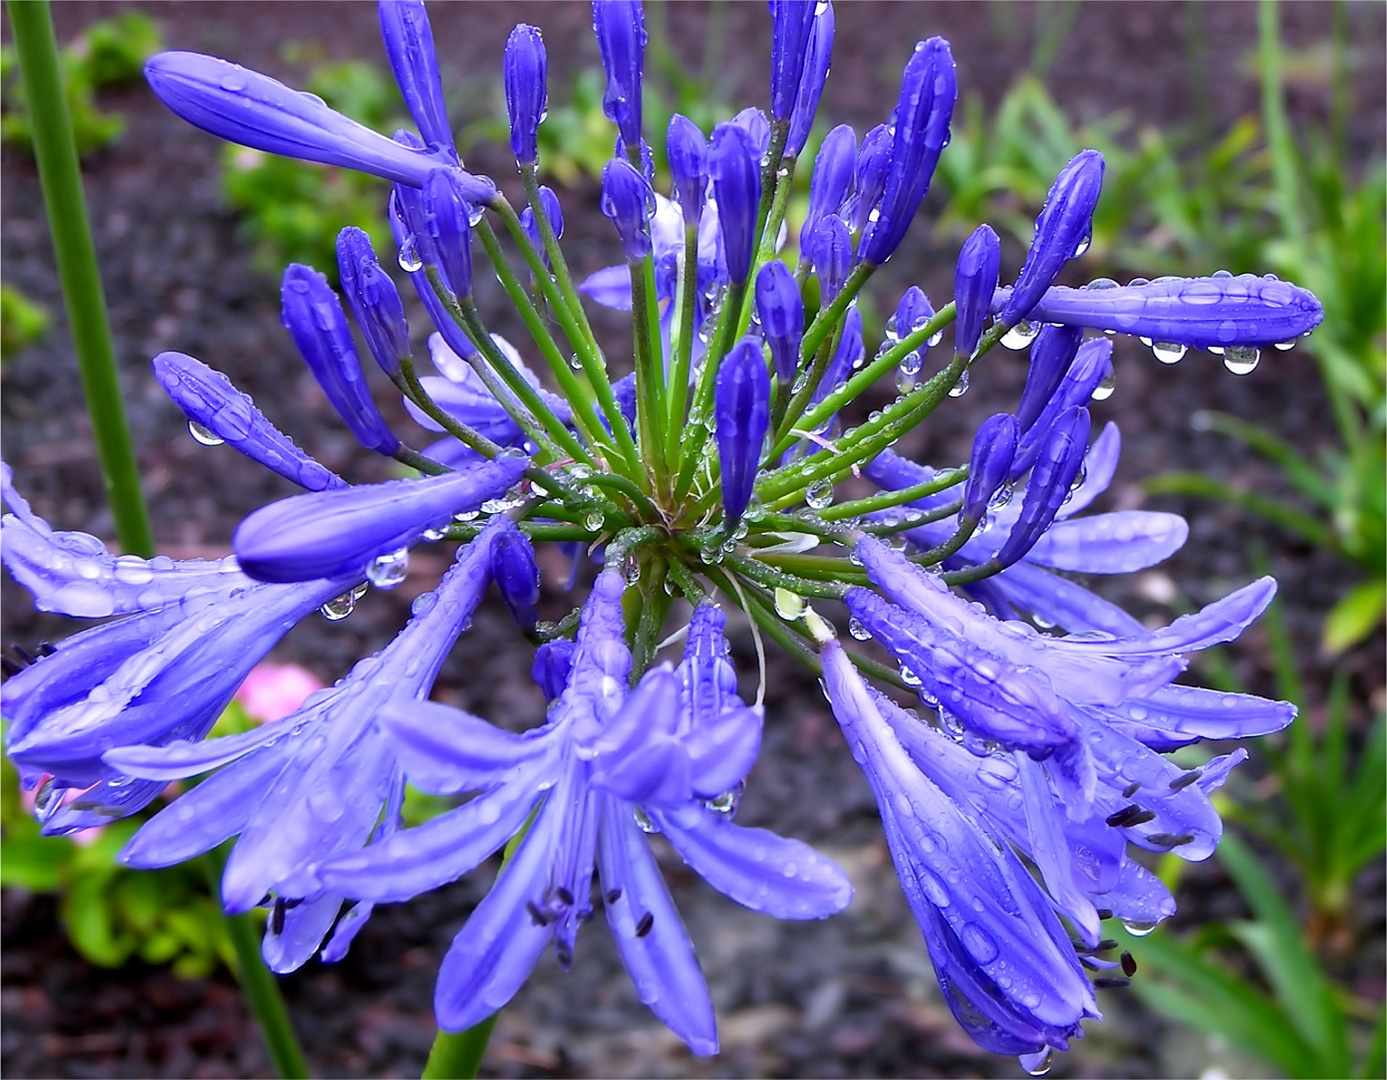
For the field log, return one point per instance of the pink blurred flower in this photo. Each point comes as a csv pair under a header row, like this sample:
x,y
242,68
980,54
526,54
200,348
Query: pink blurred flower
x,y
272,691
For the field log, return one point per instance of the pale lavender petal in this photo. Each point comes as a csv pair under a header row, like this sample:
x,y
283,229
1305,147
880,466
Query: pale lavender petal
x,y
183,758
101,804
610,287
1119,542
1049,849
1065,603
445,750
305,926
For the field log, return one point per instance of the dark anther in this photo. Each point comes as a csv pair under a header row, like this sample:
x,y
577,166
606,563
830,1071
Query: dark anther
x,y
1131,789
584,915
646,922
1104,912
265,901
1170,840
1104,945
1129,815
538,915
613,896
564,953
25,656
1115,983
1129,964
277,916
45,648
9,667
1185,780
290,905
563,895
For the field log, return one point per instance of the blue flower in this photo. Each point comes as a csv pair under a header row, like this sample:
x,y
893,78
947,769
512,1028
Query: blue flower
x,y
374,300
630,204
620,29
526,96
742,406
975,280
812,78
311,785
608,764
404,28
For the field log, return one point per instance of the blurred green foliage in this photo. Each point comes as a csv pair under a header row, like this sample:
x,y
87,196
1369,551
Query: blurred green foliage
x,y
292,211
108,53
22,322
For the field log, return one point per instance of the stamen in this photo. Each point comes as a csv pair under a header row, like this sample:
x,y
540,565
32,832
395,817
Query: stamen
x,y
1129,964
538,915
1103,912
563,896
1131,789
1115,983
563,952
646,922
45,648
25,656
584,915
1170,840
277,916
1184,781
613,896
1128,816
9,667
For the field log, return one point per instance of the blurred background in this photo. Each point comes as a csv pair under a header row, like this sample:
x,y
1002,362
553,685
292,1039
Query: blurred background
x,y
1238,136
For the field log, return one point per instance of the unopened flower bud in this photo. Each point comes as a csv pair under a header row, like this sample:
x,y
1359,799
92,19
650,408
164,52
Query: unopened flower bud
x,y
831,252
732,163
1055,469
757,128
629,202
990,463
450,229
912,313
870,172
812,79
687,150
831,181
975,281
1091,365
373,298
1063,227
845,357
549,203
781,310
526,96
516,574
553,662
404,27
315,320
620,29
742,402
1052,351
792,26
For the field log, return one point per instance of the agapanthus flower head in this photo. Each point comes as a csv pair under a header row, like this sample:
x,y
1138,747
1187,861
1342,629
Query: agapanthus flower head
x,y
687,151
732,164
831,183
989,465
527,97
781,311
222,413
373,298
742,405
629,202
404,28
928,90
1216,313
340,533
1061,231
870,172
792,29
450,230
620,29
975,280
812,79
315,320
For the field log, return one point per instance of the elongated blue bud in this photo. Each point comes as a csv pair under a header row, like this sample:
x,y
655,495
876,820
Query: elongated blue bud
x,y
527,97
1052,352
1216,312
331,534
792,25
830,250
1051,478
404,28
811,80
975,281
845,357
742,401
254,110
1062,229
628,200
315,320
870,172
409,225
620,29
781,309
732,163
450,230
757,128
831,182
549,203
516,574
209,399
928,90
1091,365
912,313
553,662
373,298
989,466
687,150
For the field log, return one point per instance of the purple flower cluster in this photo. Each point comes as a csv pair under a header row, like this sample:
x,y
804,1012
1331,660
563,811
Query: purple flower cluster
x,y
1012,805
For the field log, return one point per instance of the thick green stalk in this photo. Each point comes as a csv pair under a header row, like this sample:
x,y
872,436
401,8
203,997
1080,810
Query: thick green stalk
x,y
260,988
650,371
457,1055
681,339
943,480
695,435
561,276
83,297
827,320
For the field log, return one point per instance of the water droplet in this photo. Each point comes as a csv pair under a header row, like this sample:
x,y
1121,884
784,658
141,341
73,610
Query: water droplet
x,y
905,380
909,677
1106,385
857,630
339,608
961,387
1168,352
594,520
819,494
789,606
1103,283
1037,1064
389,570
979,943
434,535
1020,335
203,435
725,805
1284,345
643,820
1241,359
1082,246
409,259
234,82
1138,929
632,570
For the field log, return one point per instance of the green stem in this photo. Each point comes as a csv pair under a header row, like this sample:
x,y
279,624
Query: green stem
x,y
696,435
650,373
559,266
260,988
827,320
83,297
457,1055
771,578
682,339
417,461
942,481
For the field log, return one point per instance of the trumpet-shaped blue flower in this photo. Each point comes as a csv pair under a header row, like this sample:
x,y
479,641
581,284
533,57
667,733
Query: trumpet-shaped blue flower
x,y
404,28
608,764
620,29
831,182
629,202
737,187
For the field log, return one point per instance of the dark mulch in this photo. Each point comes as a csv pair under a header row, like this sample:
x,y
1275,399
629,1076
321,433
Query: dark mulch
x,y
852,996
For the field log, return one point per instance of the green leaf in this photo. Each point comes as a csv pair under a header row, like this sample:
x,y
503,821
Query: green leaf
x,y
36,863
1355,616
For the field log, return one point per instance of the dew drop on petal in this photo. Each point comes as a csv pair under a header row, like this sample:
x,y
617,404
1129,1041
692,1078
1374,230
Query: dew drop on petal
x,y
1241,359
389,570
1021,335
339,608
203,435
1168,352
1138,929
